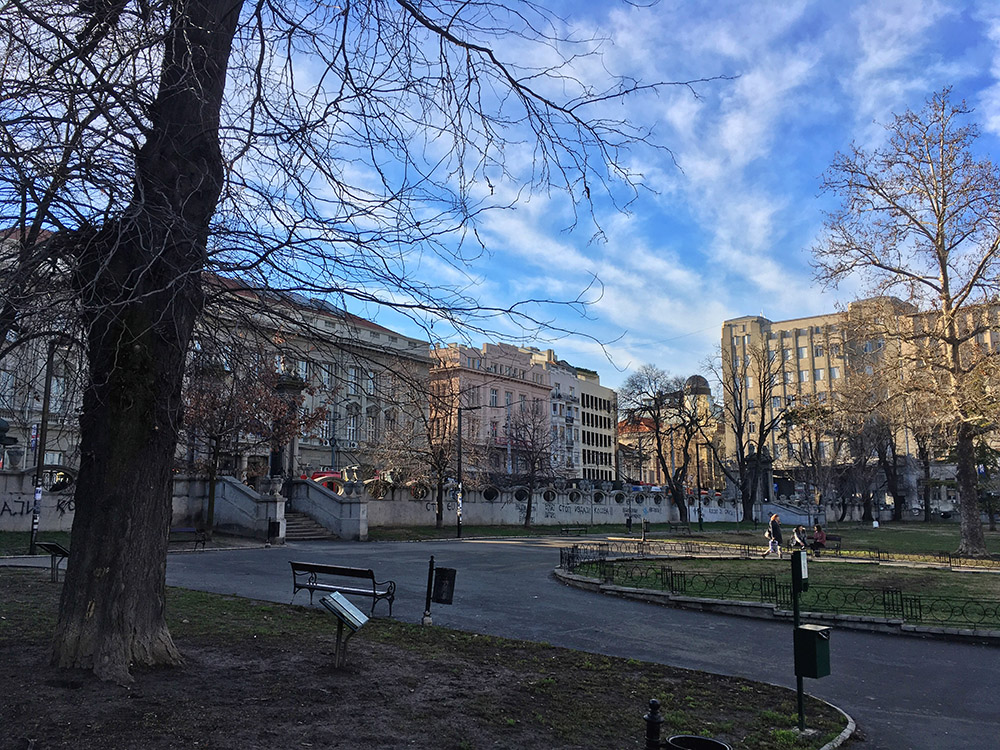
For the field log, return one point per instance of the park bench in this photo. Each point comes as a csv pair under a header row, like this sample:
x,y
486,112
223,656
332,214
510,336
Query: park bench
x,y
57,553
317,577
573,530
681,527
188,534
832,542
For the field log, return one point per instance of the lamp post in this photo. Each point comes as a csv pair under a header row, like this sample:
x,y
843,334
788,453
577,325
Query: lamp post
x,y
458,494
40,447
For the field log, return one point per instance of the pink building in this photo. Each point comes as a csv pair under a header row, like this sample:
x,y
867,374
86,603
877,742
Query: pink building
x,y
495,386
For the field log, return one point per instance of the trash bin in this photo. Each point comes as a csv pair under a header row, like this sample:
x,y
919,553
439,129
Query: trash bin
x,y
694,742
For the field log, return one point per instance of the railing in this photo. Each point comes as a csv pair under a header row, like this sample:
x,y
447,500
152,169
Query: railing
x,y
893,604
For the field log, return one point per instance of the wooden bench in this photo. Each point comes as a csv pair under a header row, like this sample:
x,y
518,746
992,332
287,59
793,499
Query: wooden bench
x,y
58,554
681,527
307,576
188,534
573,530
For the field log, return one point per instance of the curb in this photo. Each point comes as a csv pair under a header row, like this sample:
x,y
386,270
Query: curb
x,y
845,735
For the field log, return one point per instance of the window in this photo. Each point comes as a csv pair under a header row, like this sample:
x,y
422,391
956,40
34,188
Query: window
x,y
494,397
371,428
818,374
326,374
775,402
834,350
524,402
508,398
352,381
788,377
817,351
803,376
787,353
801,351
834,373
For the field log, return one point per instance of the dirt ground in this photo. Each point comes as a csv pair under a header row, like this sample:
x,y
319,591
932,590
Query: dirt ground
x,y
268,681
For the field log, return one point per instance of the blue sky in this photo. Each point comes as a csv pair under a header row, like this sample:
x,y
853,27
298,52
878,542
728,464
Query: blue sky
x,y
727,230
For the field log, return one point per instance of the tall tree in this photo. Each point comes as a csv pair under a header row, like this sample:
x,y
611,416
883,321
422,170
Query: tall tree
x,y
748,378
920,218
322,148
534,440
677,420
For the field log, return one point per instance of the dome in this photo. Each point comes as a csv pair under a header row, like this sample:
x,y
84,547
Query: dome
x,y
696,385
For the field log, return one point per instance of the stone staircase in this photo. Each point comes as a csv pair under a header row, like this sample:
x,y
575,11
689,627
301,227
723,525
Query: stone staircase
x,y
302,528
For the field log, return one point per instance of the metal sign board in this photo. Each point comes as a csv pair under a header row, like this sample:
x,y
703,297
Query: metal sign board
x,y
350,615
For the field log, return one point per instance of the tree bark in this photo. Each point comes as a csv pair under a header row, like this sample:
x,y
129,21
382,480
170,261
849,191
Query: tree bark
x,y
973,542
140,282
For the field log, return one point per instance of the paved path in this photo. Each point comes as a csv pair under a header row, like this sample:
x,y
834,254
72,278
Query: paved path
x,y
905,693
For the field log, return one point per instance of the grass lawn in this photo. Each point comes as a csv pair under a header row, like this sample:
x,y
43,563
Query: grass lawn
x,y
829,572
260,675
911,537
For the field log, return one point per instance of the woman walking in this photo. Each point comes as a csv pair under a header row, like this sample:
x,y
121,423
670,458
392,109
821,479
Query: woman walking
x,y
773,533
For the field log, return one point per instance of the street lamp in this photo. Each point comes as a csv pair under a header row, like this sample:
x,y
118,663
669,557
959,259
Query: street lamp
x,y
458,494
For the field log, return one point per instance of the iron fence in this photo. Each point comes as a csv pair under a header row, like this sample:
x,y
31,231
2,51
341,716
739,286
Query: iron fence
x,y
614,565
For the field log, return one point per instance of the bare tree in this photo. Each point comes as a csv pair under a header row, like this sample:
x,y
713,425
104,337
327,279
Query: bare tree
x,y
676,420
322,148
748,380
534,441
920,217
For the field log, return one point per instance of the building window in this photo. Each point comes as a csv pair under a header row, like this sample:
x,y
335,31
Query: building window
x,y
818,374
787,354
775,402
834,373
494,397
801,351
524,402
508,398
788,377
817,351
803,376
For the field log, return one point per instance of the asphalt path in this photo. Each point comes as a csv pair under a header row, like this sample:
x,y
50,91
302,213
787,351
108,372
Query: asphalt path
x,y
905,693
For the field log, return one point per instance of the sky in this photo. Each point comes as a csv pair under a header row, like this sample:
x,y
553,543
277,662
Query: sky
x,y
732,212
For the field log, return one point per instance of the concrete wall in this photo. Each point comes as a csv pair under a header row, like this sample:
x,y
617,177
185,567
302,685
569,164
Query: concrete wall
x,y
17,493
552,506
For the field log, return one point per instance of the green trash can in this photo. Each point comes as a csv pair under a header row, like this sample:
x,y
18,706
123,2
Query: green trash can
x,y
694,742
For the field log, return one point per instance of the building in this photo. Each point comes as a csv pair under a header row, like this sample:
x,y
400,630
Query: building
x,y
499,389
262,364
778,373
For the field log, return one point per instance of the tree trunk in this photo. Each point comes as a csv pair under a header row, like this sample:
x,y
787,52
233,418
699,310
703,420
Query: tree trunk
x,y
925,460
439,494
973,543
139,280
213,476
531,497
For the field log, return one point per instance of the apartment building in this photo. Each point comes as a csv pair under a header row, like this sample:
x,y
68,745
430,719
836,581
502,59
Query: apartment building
x,y
498,388
773,366
598,427
357,382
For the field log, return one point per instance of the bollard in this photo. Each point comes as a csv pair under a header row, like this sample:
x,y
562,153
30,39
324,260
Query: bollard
x,y
653,722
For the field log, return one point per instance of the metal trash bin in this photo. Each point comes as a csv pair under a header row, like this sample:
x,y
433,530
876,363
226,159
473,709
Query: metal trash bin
x,y
694,742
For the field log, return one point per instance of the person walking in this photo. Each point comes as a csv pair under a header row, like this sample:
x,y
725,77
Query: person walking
x,y
773,534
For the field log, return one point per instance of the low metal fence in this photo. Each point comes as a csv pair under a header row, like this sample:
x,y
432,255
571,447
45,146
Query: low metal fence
x,y
611,566
673,548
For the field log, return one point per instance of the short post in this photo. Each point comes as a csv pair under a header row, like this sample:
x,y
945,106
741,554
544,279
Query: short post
x,y
653,722
430,584
800,583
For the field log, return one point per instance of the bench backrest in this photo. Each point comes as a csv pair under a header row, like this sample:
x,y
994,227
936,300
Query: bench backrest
x,y
332,570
